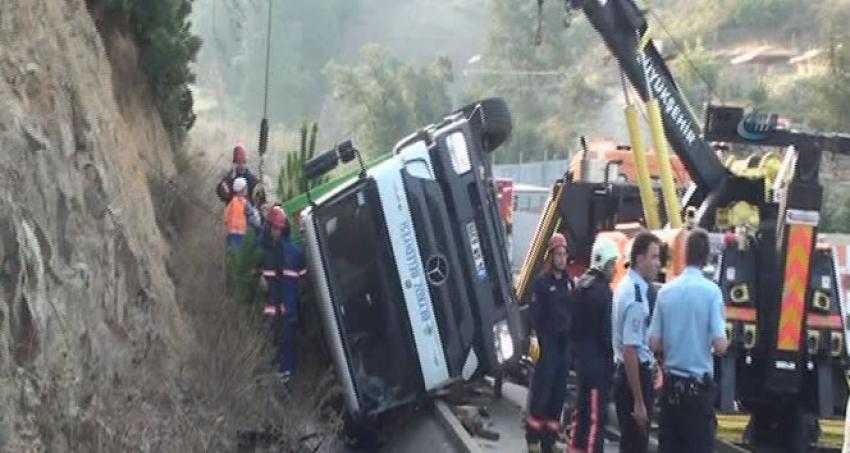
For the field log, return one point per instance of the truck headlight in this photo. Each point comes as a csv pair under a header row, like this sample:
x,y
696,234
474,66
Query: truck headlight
x,y
503,341
459,152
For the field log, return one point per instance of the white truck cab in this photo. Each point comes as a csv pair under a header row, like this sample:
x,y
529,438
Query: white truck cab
x,y
410,267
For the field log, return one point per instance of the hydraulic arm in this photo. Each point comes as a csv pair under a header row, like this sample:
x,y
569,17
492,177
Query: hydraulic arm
x,y
624,30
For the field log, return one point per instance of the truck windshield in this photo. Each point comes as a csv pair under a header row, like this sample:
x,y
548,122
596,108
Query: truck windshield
x,y
368,298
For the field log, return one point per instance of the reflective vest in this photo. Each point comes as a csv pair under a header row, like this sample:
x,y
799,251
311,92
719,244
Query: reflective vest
x,y
235,220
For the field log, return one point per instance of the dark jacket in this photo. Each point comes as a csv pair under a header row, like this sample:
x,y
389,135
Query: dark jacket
x,y
283,267
551,304
591,330
224,188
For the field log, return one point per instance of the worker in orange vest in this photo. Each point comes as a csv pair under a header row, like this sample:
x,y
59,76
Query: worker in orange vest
x,y
239,214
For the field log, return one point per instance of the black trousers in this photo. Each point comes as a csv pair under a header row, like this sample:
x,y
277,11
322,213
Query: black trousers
x,y
688,422
549,383
632,438
548,390
594,370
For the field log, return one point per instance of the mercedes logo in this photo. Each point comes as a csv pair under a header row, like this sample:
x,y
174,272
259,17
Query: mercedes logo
x,y
437,269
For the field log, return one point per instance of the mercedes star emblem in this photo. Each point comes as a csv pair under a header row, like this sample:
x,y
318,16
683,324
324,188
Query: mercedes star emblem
x,y
437,269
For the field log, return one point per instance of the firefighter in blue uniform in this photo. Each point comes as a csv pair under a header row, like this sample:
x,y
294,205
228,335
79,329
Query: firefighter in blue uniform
x,y
687,327
551,307
282,269
591,333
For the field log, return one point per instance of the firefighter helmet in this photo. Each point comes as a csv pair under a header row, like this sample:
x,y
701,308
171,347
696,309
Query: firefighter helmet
x,y
277,217
604,250
240,155
557,240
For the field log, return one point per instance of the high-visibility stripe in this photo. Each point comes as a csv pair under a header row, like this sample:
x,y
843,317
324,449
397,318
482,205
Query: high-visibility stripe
x,y
573,426
594,420
303,272
286,273
553,425
269,310
282,308
740,313
824,321
794,291
534,423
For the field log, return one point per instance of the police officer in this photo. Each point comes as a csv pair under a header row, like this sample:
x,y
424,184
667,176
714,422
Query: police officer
x,y
551,307
687,326
635,364
591,333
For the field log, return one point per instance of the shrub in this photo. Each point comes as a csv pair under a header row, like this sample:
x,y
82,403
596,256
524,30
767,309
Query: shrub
x,y
166,46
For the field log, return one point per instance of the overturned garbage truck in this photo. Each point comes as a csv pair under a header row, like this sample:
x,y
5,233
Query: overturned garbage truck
x,y
409,264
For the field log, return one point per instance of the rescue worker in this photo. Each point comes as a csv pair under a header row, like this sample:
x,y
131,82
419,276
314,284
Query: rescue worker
x,y
551,307
239,214
282,269
687,326
591,333
634,362
224,189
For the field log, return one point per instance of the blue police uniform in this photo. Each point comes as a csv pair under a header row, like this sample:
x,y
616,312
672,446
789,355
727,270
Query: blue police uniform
x,y
688,318
283,267
633,304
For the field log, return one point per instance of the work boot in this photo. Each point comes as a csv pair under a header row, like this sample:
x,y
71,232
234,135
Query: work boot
x,y
532,439
547,442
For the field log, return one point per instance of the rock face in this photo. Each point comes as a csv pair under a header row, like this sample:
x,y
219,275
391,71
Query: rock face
x,y
87,309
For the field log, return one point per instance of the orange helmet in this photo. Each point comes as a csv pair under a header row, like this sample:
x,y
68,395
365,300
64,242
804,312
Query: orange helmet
x,y
557,240
277,217
240,155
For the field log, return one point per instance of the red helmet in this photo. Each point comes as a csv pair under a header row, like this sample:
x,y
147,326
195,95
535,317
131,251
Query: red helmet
x,y
557,240
277,217
240,155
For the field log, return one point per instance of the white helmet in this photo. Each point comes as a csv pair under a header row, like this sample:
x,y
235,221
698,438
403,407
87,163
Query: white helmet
x,y
239,184
604,250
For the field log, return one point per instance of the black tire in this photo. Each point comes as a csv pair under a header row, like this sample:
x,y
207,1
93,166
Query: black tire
x,y
493,118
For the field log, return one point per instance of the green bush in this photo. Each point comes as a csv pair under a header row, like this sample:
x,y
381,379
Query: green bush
x,y
243,264
167,47
291,181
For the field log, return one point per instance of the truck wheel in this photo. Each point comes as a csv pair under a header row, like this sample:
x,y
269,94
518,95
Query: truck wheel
x,y
494,119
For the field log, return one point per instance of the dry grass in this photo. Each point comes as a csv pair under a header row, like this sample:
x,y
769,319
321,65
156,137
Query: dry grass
x,y
225,384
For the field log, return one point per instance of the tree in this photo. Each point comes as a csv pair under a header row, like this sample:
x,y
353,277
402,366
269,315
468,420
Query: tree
x,y
291,182
553,89
697,72
161,29
836,210
305,36
243,263
383,99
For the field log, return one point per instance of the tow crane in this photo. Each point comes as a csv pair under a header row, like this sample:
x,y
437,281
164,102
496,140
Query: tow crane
x,y
784,308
